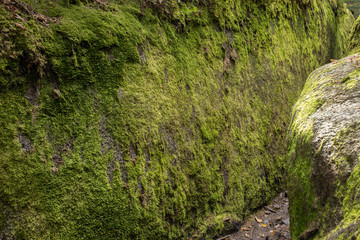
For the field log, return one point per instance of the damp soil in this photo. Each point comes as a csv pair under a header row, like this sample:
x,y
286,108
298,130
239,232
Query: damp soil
x,y
272,222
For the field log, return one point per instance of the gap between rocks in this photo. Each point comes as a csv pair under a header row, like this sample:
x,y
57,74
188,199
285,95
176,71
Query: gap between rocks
x,y
271,222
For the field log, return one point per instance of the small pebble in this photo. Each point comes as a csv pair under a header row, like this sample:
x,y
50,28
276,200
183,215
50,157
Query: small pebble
x,y
269,209
286,221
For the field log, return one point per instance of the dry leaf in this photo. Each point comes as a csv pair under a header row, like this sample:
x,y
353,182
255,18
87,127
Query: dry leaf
x,y
264,225
258,220
245,229
20,26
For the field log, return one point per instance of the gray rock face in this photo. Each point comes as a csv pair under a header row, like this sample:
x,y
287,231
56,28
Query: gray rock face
x,y
324,147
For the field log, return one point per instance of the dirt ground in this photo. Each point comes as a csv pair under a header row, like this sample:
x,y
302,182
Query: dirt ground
x,y
270,223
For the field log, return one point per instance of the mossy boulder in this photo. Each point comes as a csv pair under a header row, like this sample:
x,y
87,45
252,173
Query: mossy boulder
x,y
134,120
323,157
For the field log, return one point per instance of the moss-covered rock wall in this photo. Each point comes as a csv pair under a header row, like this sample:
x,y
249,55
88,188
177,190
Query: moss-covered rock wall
x,y
150,119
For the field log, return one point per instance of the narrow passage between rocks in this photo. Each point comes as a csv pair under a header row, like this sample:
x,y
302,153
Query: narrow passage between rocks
x,y
272,222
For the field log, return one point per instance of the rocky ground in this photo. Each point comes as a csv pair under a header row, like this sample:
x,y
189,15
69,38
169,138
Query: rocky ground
x,y
270,223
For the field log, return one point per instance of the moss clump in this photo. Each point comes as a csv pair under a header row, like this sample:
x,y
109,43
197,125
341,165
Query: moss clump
x,y
142,129
355,37
302,210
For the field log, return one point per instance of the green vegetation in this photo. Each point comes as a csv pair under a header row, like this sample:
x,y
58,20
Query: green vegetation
x,y
123,120
301,192
355,37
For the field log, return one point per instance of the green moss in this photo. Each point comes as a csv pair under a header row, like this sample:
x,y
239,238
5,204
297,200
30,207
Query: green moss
x,y
354,37
144,128
351,81
300,189
345,79
348,227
